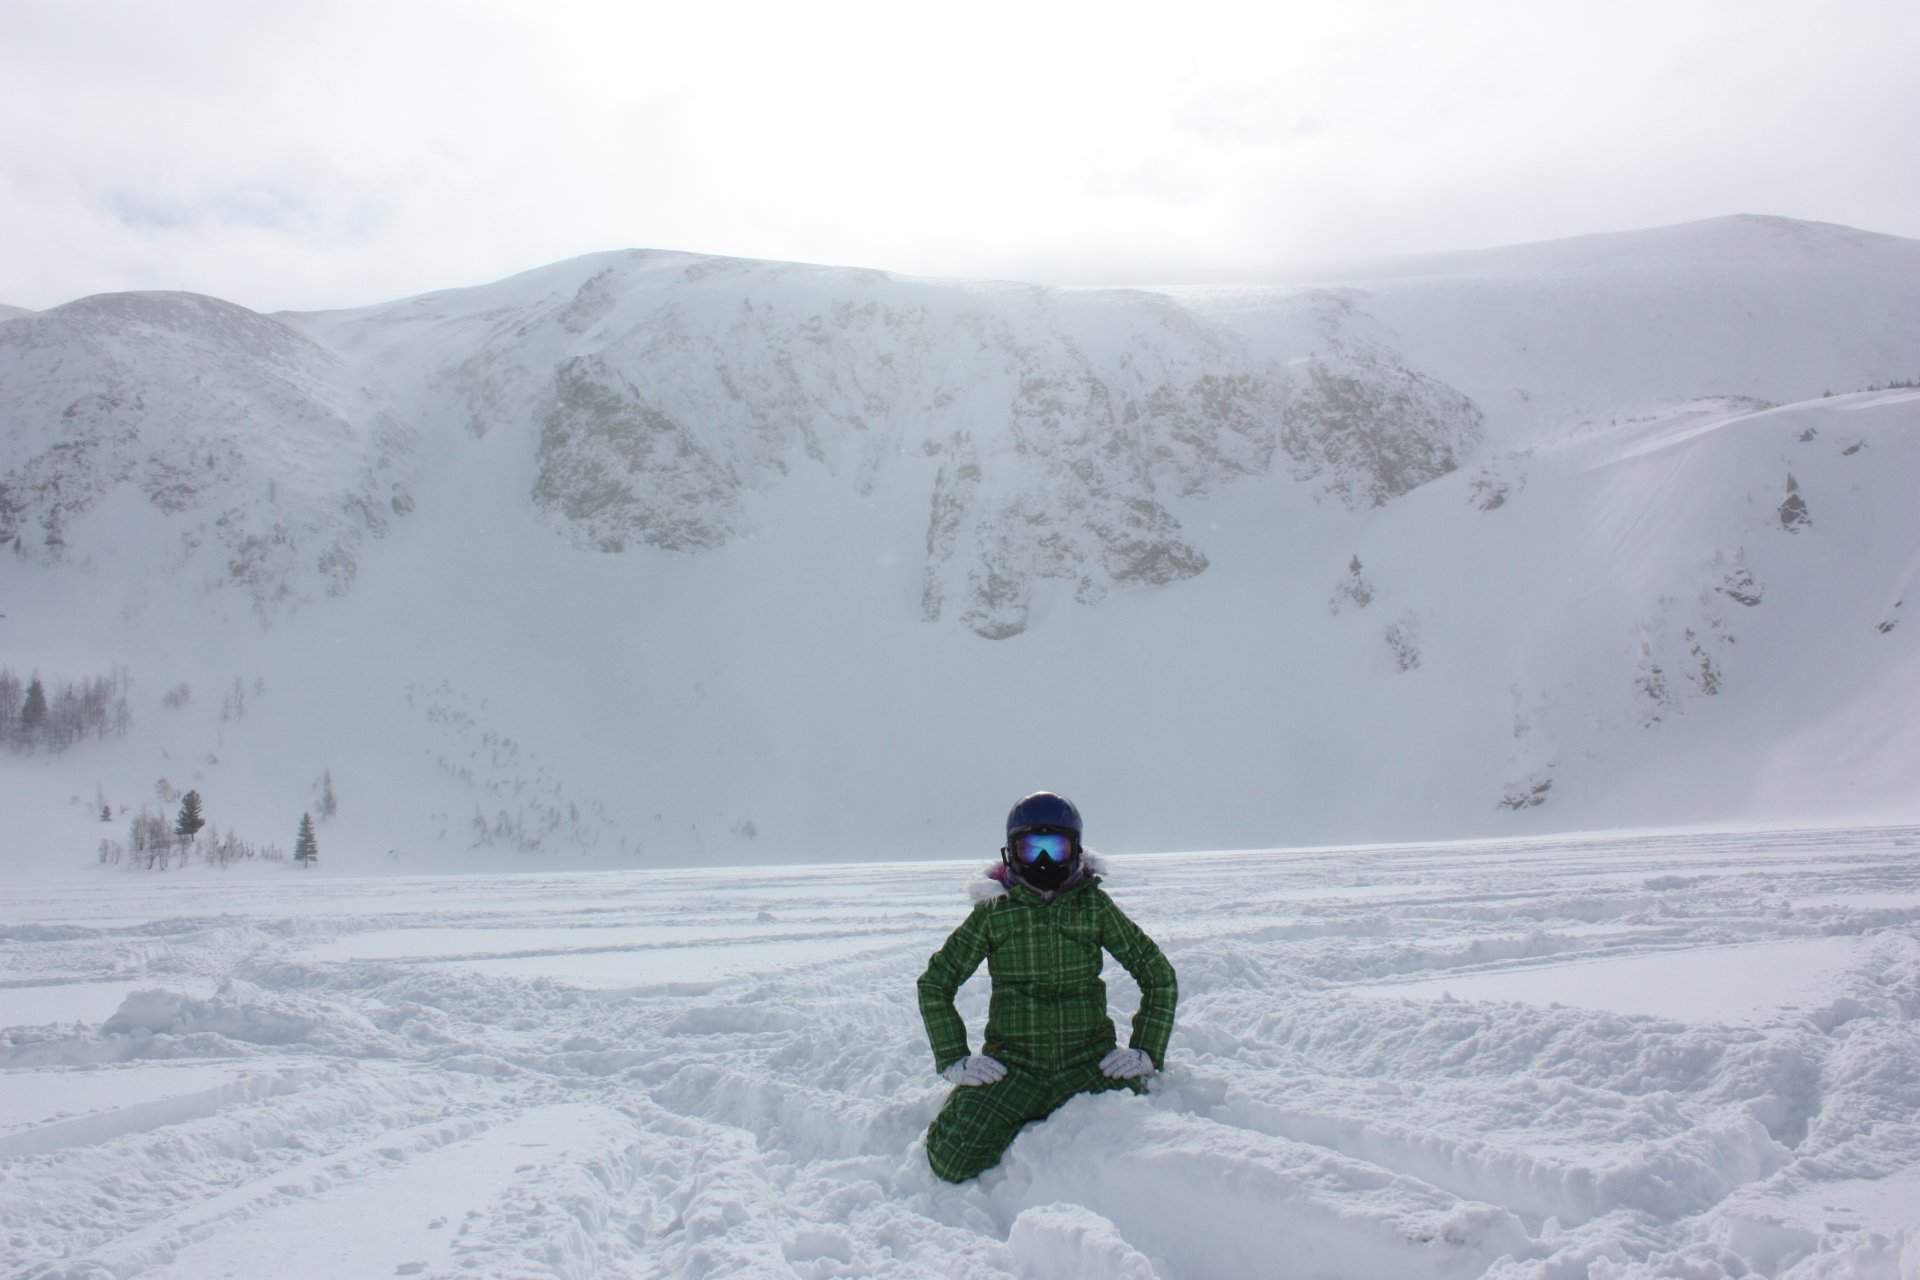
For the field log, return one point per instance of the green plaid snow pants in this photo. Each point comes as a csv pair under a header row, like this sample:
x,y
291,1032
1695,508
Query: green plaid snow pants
x,y
979,1121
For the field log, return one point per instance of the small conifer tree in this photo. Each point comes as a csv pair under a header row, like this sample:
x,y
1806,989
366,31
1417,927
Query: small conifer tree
x,y
306,848
33,715
188,824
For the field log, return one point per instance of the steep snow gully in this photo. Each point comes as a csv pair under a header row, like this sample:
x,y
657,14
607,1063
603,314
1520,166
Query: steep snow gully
x,y
1646,1057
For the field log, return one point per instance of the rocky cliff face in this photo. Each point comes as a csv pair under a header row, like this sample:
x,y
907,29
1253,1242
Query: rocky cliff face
x,y
251,438
1362,421
662,389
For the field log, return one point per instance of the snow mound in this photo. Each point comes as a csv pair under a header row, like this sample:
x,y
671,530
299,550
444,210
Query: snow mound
x,y
1071,1242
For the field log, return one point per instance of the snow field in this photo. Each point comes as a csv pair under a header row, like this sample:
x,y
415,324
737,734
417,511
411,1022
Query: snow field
x,y
1640,1057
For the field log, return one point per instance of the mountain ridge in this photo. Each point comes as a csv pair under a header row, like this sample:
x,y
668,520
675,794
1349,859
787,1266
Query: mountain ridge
x,y
653,555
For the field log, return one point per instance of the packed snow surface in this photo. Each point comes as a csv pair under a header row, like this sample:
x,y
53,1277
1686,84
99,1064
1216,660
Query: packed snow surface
x,y
1640,1056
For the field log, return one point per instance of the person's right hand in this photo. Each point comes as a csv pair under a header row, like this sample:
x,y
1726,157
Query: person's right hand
x,y
1126,1064
976,1068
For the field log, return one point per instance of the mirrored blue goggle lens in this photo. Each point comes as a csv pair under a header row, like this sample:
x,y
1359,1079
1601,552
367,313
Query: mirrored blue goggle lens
x,y
1035,845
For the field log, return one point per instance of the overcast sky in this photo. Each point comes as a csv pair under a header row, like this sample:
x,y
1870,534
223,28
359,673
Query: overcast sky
x,y
318,153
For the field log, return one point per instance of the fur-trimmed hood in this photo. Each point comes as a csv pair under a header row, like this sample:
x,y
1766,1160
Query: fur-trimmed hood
x,y
999,878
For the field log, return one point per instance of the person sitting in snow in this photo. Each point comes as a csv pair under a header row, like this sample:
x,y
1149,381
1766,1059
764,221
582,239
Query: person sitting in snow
x,y
1040,921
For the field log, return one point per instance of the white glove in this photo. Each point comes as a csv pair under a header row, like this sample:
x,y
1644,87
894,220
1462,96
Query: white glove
x,y
975,1069
1126,1064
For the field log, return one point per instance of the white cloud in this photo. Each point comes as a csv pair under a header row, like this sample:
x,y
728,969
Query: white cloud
x,y
348,152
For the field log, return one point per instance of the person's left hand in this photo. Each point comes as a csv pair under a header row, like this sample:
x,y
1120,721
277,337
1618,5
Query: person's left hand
x,y
1127,1064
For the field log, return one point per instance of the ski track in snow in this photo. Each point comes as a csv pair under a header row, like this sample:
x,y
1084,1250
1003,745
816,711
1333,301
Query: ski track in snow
x,y
699,1073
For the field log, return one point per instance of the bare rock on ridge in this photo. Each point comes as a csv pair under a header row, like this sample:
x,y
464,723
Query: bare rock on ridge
x,y
615,469
1363,421
1058,419
255,441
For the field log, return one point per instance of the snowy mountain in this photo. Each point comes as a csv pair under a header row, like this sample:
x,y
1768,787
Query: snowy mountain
x,y
666,391
658,556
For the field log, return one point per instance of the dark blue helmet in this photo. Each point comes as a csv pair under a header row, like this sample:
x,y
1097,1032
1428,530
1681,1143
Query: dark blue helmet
x,y
1043,841
1043,809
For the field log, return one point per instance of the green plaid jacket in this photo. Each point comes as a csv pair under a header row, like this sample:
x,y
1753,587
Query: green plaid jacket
x,y
1049,1007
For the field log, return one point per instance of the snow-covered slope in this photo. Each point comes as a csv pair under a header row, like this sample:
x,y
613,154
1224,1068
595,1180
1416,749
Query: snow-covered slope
x,y
661,556
1543,336
1637,1059
667,393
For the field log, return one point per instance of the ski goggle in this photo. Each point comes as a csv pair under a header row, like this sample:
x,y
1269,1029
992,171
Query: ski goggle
x,y
1034,846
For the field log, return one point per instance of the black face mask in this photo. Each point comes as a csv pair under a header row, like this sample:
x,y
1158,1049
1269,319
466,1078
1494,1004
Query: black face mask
x,y
1047,875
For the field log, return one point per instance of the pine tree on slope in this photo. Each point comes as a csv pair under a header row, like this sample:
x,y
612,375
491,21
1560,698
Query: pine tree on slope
x,y
306,849
188,824
33,715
